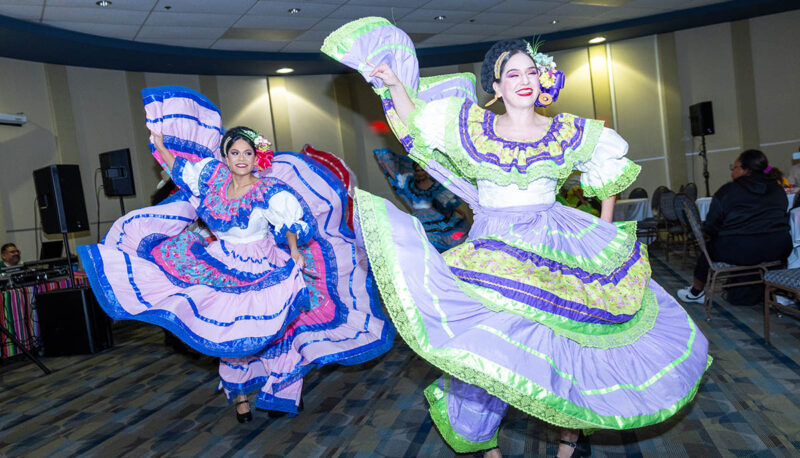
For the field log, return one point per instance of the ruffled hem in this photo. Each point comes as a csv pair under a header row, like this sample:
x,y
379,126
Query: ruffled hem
x,y
437,400
615,185
526,366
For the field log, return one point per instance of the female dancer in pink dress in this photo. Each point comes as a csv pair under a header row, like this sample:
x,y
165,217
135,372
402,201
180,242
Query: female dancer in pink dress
x,y
281,291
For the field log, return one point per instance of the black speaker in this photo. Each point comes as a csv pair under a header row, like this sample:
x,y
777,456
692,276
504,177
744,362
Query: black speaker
x,y
117,173
71,322
59,193
702,117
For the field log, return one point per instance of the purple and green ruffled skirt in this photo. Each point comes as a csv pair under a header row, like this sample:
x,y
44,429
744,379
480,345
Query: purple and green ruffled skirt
x,y
545,308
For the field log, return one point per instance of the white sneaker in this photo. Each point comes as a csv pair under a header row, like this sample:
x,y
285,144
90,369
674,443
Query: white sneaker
x,y
685,294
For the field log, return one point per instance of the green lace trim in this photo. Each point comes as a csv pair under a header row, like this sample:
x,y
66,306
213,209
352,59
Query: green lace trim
x,y
593,335
468,168
615,185
615,253
437,399
339,42
539,403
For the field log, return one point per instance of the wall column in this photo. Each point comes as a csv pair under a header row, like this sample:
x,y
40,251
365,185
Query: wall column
x,y
744,85
672,113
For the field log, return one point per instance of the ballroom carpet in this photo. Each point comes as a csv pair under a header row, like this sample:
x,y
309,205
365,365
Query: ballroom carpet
x,y
142,399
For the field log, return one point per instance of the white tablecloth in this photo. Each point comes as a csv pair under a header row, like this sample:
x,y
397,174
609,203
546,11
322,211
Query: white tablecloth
x,y
632,210
794,223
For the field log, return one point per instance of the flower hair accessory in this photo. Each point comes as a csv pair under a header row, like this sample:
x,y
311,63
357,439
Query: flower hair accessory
x,y
263,153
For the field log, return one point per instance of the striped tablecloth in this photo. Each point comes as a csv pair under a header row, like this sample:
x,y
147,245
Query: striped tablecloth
x,y
19,315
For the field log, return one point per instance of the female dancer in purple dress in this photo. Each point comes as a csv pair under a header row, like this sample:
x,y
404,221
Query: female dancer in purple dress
x,y
544,307
283,288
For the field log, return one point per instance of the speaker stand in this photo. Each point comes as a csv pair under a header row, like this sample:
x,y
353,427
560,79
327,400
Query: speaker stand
x,y
121,206
704,155
69,261
24,350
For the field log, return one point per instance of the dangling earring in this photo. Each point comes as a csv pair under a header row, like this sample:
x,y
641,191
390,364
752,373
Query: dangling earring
x,y
496,97
545,99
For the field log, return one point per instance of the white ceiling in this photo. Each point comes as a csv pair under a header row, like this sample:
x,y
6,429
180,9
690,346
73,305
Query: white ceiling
x,y
266,25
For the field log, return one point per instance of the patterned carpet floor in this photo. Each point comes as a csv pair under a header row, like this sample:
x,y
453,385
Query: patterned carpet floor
x,y
142,399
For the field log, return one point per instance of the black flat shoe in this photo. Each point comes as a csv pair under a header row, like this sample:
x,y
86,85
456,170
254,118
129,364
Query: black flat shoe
x,y
243,417
581,448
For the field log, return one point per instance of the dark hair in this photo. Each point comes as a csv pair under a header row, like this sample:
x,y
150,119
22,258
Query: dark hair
x,y
6,247
756,162
237,133
514,46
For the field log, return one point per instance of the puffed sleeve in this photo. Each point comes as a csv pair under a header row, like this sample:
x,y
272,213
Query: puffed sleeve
x,y
186,174
285,213
607,171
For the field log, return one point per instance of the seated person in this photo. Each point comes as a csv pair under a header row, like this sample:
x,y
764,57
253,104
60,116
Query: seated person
x,y
10,255
747,222
794,173
573,197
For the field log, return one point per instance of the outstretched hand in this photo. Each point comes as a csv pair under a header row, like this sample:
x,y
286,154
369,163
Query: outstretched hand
x,y
384,73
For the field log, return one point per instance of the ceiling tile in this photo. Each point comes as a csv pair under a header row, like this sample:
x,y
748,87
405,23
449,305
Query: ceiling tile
x,y
123,32
191,19
206,6
476,29
524,7
26,12
250,45
447,39
465,5
424,15
412,26
499,19
315,34
406,3
117,5
307,10
149,32
579,10
353,12
96,15
255,22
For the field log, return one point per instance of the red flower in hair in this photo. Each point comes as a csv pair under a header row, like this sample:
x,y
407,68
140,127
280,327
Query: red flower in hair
x,y
263,153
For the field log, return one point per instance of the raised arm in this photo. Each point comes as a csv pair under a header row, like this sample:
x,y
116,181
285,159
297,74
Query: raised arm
x,y
166,155
402,102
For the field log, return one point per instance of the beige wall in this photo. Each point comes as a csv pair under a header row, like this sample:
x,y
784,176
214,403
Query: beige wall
x,y
77,113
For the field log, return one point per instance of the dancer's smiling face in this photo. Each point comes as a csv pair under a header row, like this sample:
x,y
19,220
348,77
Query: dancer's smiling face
x,y
241,158
519,81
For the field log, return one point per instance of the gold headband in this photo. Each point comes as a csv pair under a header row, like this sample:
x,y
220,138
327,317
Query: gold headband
x,y
498,64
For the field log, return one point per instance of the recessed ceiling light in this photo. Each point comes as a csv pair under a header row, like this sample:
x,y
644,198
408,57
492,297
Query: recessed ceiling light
x,y
440,18
103,3
472,20
167,7
554,21
284,70
596,40
294,10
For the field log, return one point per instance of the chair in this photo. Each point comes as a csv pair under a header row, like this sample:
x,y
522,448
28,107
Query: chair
x,y
691,191
717,271
786,280
638,193
671,222
688,235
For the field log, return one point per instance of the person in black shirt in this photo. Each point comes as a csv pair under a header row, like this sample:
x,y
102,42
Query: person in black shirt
x,y
748,221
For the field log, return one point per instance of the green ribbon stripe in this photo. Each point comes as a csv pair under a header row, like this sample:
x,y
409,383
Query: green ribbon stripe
x,y
614,185
471,368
